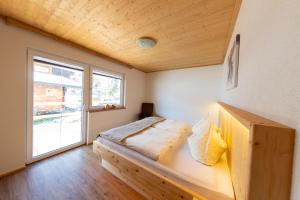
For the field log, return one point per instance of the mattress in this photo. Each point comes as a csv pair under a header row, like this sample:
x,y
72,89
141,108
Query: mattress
x,y
178,166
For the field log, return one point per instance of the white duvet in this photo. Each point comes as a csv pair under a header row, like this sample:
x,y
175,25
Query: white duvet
x,y
155,141
174,126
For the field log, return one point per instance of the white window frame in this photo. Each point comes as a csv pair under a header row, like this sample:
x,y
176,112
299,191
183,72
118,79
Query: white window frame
x,y
100,71
31,54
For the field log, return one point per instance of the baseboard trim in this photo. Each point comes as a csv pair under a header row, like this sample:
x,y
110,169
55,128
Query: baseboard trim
x,y
12,172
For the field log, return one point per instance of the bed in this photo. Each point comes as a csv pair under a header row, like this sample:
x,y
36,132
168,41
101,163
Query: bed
x,y
175,175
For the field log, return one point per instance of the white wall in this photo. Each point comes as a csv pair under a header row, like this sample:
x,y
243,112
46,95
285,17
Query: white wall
x,y
185,94
13,60
269,73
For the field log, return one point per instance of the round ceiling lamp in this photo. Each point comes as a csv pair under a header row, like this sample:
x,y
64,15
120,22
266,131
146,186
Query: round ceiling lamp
x,y
146,42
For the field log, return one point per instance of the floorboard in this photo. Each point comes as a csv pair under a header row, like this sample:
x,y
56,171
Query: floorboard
x,y
73,175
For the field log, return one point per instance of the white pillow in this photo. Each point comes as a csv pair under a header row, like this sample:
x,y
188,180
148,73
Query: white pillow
x,y
201,126
207,146
199,136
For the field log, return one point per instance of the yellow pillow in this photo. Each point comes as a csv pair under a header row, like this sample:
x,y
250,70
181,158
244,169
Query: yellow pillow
x,y
215,147
208,147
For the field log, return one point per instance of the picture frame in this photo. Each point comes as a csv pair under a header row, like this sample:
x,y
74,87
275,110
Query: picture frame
x,y
233,65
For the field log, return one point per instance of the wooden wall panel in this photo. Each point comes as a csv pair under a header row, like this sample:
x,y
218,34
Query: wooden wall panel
x,y
237,137
260,154
271,163
189,33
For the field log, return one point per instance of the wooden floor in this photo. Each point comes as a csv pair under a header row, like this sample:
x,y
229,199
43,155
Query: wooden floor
x,y
75,174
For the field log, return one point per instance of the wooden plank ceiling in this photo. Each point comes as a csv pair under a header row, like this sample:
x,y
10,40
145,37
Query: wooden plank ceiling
x,y
189,32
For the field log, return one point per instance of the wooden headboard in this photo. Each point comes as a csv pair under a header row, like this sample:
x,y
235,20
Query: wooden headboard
x,y
260,154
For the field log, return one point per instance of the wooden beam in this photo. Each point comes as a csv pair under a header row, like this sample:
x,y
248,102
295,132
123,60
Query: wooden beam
x,y
248,119
13,22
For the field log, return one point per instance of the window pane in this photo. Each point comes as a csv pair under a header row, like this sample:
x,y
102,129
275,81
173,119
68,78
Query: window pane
x,y
106,90
57,107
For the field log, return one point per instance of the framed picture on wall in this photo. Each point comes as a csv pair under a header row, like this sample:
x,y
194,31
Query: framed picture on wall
x,y
233,64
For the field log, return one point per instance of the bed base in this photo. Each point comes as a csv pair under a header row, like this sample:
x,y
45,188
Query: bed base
x,y
144,181
259,156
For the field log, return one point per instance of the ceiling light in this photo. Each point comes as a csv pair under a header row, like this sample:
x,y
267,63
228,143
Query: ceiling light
x,y
146,42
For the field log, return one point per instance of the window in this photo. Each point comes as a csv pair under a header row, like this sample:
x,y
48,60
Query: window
x,y
57,92
107,89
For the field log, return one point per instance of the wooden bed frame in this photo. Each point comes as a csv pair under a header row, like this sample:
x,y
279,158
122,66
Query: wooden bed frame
x,y
259,157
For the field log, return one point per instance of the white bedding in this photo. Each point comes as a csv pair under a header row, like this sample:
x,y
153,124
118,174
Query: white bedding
x,y
216,178
155,141
173,126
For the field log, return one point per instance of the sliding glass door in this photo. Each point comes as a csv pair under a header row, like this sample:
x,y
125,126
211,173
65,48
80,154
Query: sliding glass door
x,y
57,118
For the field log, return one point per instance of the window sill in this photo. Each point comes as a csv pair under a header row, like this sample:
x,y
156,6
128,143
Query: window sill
x,y
93,110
